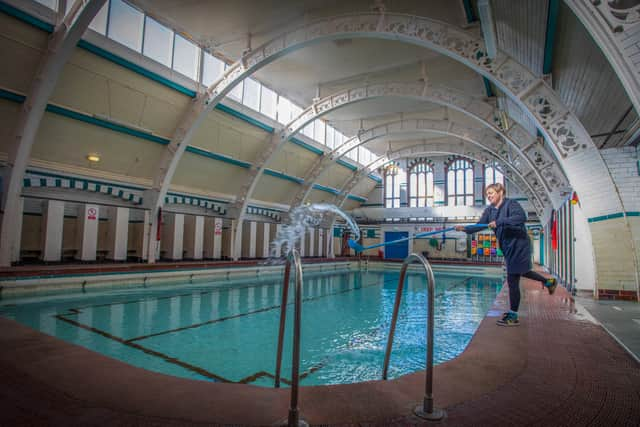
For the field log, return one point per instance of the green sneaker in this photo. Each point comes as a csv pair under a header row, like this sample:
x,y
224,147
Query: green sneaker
x,y
551,285
509,319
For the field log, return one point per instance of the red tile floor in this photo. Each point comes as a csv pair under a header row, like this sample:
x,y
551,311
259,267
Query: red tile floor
x,y
556,369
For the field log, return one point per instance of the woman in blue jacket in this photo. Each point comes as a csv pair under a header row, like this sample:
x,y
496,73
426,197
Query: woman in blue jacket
x,y
506,217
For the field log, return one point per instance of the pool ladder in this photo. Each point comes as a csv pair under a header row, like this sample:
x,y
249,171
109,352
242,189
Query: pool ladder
x,y
426,410
292,257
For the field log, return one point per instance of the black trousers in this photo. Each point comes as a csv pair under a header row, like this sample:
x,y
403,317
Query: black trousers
x,y
514,286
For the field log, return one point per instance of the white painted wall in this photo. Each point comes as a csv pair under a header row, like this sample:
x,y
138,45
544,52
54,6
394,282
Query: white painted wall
x,y
585,274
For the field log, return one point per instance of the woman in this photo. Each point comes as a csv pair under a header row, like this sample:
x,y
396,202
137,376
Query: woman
x,y
506,217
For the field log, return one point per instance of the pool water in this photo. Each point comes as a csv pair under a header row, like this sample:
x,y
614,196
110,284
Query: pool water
x,y
228,330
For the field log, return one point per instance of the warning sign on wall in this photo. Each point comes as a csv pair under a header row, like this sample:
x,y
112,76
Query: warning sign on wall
x,y
217,229
92,213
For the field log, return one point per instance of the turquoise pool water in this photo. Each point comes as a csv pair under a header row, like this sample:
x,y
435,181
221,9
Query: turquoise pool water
x,y
227,331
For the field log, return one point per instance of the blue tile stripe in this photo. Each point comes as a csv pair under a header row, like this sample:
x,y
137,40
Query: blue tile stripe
x,y
331,190
357,198
613,216
306,146
219,157
25,17
284,176
244,117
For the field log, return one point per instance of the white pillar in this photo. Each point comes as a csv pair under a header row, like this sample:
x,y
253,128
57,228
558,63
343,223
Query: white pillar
x,y
278,251
146,235
217,238
15,250
321,252
118,234
178,236
328,232
194,236
266,233
312,242
253,230
87,232
52,223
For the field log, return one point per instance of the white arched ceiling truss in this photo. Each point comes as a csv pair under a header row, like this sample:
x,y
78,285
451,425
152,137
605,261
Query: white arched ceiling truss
x,y
548,182
466,147
572,145
430,148
484,142
481,111
615,30
61,45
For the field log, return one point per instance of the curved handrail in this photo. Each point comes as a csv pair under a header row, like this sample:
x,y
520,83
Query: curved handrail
x,y
427,410
292,256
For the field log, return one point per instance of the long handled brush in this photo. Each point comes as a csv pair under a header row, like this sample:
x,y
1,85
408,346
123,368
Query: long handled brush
x,y
359,248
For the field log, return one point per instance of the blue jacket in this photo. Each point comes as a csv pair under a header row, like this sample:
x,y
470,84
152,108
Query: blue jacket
x,y
511,233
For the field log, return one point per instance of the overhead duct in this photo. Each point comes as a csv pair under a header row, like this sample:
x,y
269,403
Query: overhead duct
x,y
488,27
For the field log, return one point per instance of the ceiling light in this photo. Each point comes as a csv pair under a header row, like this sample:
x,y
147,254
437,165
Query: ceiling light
x,y
93,157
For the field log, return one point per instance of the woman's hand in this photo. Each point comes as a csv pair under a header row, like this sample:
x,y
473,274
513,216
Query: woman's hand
x,y
492,224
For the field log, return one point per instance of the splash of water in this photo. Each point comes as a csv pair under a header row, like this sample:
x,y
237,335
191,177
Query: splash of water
x,y
303,217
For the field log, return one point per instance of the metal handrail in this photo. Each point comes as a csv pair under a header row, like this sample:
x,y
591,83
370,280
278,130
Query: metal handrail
x,y
292,256
426,411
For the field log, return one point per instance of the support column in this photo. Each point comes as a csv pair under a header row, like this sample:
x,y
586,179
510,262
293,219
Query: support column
x,y
266,239
173,236
52,223
146,235
478,185
303,239
439,183
321,252
312,242
15,252
253,231
277,252
193,236
260,240
87,232
118,234
328,232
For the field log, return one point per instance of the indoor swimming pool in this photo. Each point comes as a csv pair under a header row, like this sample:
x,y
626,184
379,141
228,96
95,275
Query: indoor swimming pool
x,y
227,330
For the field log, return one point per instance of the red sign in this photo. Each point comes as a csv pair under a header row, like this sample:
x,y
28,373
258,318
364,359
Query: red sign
x,y
92,213
217,229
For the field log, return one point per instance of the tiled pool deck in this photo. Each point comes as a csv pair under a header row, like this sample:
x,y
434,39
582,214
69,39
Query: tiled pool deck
x,y
558,368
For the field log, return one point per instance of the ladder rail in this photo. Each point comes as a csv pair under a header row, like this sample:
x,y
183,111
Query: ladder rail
x,y
293,257
427,410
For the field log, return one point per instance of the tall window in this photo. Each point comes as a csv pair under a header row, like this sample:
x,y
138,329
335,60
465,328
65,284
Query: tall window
x,y
420,184
492,175
459,182
392,186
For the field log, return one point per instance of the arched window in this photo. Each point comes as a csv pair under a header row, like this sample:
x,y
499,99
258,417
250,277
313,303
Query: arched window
x,y
420,183
459,182
492,175
392,186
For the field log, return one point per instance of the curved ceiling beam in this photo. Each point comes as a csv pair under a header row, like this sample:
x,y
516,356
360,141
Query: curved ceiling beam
x,y
61,45
468,148
444,127
571,143
568,138
470,106
609,26
530,158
